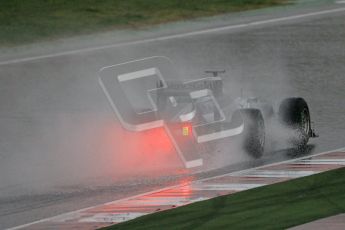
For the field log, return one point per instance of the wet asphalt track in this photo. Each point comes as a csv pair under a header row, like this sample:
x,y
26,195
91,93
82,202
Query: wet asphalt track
x,y
47,103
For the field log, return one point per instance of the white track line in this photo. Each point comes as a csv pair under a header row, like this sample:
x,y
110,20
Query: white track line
x,y
322,161
278,173
182,35
222,187
75,213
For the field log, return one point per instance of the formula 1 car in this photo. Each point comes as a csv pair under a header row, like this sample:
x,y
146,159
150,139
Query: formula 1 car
x,y
254,113
197,112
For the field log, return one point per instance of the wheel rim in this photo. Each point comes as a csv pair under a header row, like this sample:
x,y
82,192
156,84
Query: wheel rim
x,y
305,124
261,133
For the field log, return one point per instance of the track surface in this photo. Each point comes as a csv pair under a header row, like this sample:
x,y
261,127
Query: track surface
x,y
191,191
51,109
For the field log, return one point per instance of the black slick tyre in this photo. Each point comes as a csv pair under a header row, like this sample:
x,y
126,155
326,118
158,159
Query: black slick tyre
x,y
294,114
253,140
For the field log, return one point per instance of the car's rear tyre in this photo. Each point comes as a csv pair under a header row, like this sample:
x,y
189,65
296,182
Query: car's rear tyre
x,y
254,132
294,113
